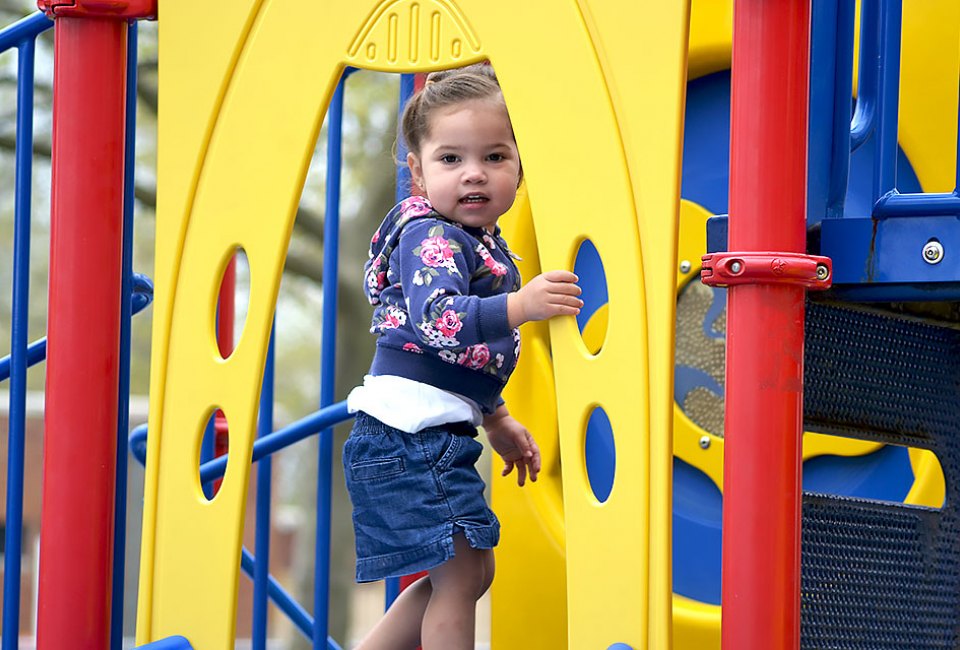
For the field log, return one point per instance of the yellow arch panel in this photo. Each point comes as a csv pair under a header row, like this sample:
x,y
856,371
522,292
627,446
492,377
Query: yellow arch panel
x,y
531,557
232,175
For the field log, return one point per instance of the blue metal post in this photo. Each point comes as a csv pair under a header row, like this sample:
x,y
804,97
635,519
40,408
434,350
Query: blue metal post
x,y
126,309
261,572
864,116
392,585
18,347
885,163
321,593
403,172
839,157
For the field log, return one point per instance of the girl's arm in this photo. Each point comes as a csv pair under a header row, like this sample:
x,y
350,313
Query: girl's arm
x,y
436,264
514,443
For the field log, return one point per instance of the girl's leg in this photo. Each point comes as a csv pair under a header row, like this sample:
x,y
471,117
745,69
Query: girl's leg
x,y
465,578
449,622
399,629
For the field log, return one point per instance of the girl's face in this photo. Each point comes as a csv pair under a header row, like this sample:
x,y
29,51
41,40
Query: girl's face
x,y
468,165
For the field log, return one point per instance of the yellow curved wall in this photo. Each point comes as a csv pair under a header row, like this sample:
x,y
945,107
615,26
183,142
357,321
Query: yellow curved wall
x,y
244,91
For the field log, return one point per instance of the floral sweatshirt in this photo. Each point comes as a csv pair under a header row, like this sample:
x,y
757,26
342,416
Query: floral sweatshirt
x,y
440,295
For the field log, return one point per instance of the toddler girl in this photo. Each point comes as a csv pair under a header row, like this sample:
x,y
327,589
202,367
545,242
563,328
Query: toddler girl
x,y
447,303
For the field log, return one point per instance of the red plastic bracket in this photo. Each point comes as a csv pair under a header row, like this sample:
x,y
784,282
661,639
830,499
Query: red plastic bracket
x,y
728,269
120,9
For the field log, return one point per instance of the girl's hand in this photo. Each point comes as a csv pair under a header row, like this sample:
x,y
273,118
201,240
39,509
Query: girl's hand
x,y
515,445
550,294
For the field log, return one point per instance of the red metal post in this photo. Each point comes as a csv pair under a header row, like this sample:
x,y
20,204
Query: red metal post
x,y
76,542
764,376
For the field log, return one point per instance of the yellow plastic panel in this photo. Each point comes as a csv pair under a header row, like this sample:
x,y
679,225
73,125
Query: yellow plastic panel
x,y
530,590
648,101
243,168
928,90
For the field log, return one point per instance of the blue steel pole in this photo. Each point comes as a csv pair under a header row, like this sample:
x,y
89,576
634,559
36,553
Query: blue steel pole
x,y
126,313
25,29
328,340
839,168
885,161
392,585
864,116
18,347
261,572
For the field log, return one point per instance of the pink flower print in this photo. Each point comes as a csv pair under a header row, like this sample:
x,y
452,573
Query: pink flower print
x,y
475,357
488,240
415,206
435,251
392,319
495,267
449,323
413,347
375,238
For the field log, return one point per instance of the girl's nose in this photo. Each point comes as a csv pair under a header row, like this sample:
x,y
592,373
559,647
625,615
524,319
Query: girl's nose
x,y
474,174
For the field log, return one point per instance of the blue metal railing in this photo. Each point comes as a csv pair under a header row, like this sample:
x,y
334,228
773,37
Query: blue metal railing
x,y
21,35
126,314
328,340
888,202
261,572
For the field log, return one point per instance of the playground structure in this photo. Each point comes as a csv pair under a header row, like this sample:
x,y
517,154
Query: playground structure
x,y
591,552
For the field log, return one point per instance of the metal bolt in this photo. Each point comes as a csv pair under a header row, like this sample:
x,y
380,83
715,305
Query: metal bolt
x,y
736,267
704,442
822,272
932,252
685,266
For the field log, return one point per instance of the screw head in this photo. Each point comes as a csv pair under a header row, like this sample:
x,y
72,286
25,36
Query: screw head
x,y
736,267
704,442
932,252
685,266
822,272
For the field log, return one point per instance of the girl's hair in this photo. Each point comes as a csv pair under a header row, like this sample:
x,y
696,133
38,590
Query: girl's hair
x,y
446,88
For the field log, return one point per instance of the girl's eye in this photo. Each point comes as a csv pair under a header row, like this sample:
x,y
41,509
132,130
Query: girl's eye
x,y
449,158
496,157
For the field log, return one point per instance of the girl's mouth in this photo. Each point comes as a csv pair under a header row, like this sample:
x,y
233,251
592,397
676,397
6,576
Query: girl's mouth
x,y
473,199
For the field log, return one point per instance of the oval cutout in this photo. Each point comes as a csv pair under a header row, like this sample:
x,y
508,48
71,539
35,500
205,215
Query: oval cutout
x,y
233,299
601,454
214,443
592,319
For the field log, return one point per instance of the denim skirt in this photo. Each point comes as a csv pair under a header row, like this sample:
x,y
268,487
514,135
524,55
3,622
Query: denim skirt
x,y
411,493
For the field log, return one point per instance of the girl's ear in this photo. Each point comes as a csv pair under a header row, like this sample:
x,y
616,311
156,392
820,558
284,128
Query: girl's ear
x,y
416,171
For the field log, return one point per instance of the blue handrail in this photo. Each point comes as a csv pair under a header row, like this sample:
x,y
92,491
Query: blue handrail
x,y
25,29
328,342
300,618
864,115
126,315
888,84
37,351
263,447
261,572
407,85
18,339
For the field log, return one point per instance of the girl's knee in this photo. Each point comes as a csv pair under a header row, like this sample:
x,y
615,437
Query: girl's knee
x,y
468,573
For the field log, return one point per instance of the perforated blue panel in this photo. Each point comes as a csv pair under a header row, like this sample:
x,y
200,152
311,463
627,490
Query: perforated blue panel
x,y
878,575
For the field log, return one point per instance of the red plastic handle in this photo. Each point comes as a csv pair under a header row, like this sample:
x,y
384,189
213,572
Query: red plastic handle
x,y
727,269
121,9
